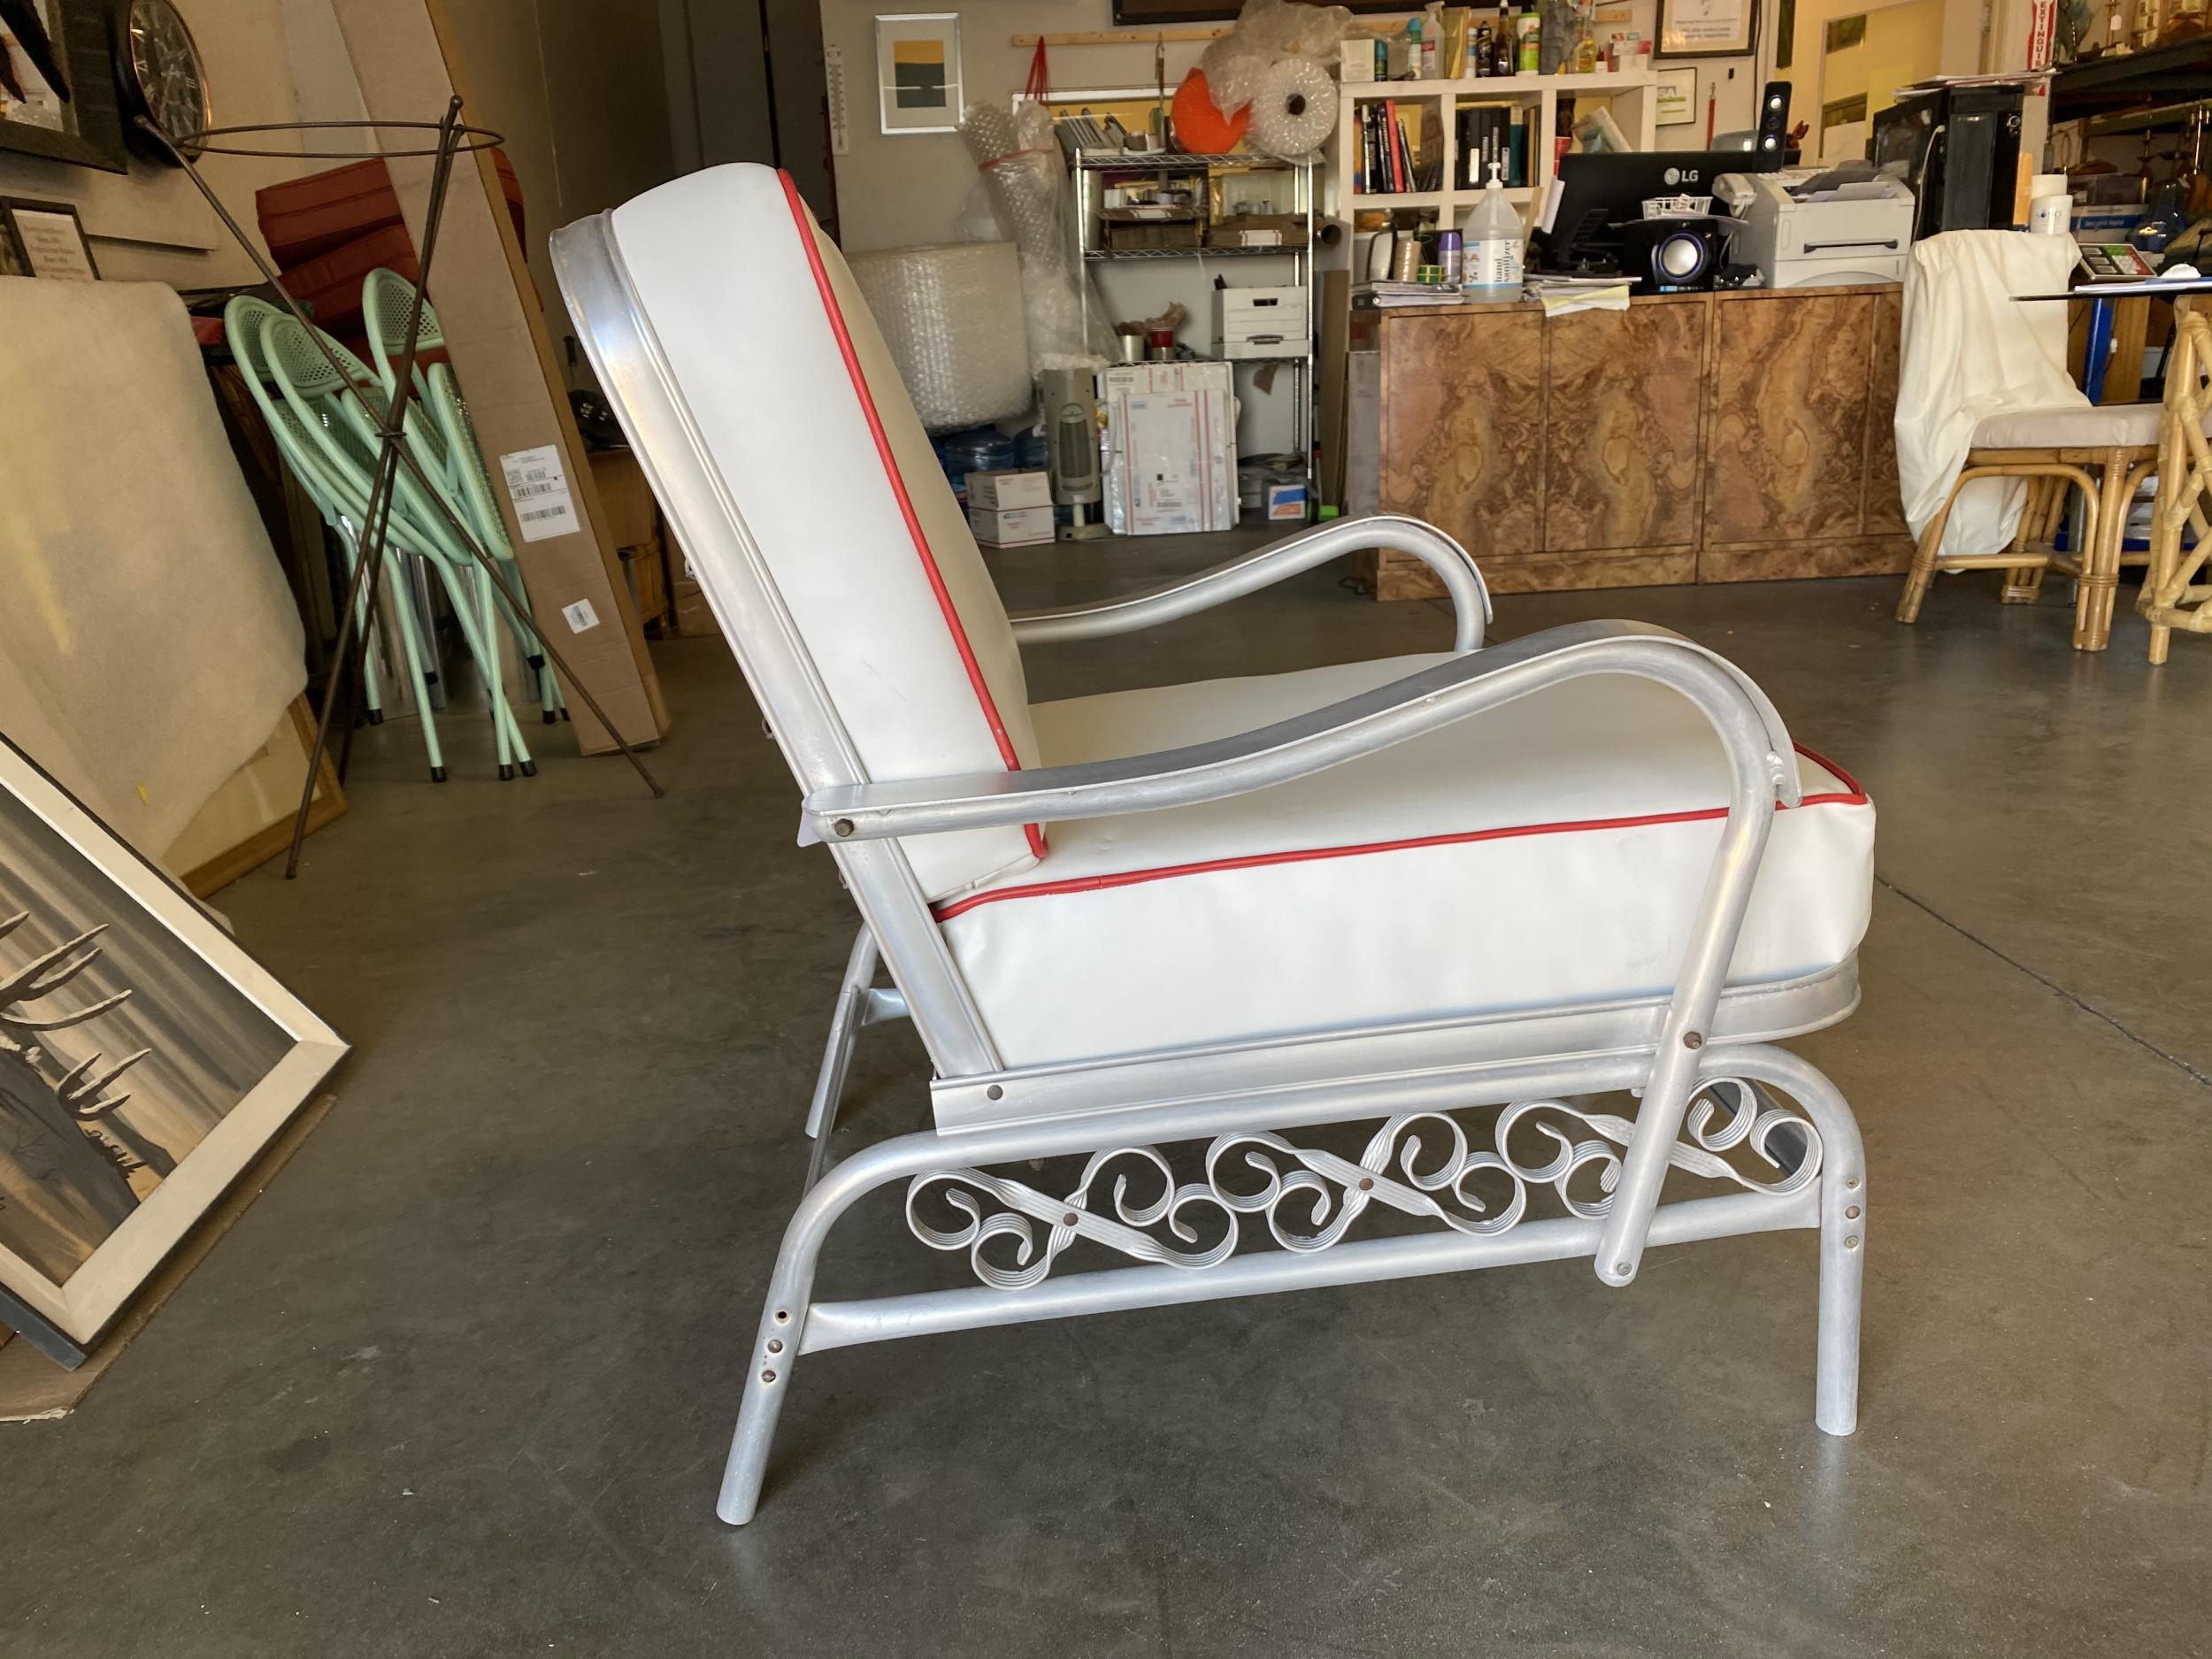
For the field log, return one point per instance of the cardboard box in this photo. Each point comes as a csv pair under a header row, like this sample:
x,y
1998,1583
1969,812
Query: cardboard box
x,y
408,67
1262,322
633,517
1171,448
1003,491
1011,526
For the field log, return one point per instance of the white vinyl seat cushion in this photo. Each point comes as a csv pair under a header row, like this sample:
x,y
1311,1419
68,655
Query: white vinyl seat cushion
x,y
1552,851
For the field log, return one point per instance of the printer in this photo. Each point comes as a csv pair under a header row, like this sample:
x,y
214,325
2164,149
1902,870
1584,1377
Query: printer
x,y
1806,226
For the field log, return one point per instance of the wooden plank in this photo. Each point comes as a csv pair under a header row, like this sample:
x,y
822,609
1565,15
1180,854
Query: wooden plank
x,y
1785,453
1783,561
1463,442
1621,427
249,820
1882,506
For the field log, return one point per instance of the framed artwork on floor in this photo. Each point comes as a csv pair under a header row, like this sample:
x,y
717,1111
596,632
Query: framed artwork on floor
x,y
145,1060
918,72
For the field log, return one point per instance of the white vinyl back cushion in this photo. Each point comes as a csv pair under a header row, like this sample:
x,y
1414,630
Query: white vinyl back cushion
x,y
1551,852
853,518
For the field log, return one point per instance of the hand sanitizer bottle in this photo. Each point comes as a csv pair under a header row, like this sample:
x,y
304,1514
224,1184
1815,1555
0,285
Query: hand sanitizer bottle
x,y
1493,237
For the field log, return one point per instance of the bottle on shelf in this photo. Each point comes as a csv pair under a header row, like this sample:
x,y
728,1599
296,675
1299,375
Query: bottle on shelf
x,y
1491,239
1504,53
1528,33
1478,50
1413,48
1432,41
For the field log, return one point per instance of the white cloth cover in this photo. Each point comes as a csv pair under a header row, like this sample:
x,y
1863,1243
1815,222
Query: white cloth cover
x,y
1552,852
148,643
799,405
1972,350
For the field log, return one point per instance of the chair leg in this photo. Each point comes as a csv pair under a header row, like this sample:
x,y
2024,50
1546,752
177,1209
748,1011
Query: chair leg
x,y
2024,582
844,1034
2098,586
1924,563
1842,1239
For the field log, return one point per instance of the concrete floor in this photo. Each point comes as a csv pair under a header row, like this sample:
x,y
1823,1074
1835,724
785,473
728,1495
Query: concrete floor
x,y
461,1381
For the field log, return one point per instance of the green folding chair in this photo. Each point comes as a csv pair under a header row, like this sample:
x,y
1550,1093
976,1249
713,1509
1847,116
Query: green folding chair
x,y
243,319
447,450
341,409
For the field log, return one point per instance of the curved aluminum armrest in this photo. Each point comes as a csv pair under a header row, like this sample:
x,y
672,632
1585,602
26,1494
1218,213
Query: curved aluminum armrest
x,y
1184,596
1750,731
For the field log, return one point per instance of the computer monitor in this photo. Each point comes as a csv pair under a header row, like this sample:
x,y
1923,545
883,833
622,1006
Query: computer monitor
x,y
1598,192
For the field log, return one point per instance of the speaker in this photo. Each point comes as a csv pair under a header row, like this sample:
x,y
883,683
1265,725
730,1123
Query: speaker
x,y
1774,126
1671,255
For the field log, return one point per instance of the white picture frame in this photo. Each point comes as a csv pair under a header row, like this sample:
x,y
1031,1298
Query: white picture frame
x,y
1675,96
917,72
231,1056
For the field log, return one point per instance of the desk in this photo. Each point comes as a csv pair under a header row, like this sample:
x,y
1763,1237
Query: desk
x,y
1742,436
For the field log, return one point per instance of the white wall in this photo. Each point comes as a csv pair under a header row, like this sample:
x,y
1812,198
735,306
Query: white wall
x,y
151,224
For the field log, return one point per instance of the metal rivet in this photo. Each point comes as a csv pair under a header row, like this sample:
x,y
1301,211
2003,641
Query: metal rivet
x,y
1851,1182
994,1093
1851,1241
1624,1269
1367,1183
843,826
1851,1214
1068,1220
1691,1039
782,1317
768,1376
775,1345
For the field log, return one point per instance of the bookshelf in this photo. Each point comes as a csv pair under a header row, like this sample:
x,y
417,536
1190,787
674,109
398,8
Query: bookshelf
x,y
1430,112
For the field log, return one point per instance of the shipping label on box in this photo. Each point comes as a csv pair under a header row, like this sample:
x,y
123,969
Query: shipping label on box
x,y
1011,526
1171,448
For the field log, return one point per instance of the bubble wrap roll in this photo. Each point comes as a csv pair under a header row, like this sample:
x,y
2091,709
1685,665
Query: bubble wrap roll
x,y
1294,112
943,313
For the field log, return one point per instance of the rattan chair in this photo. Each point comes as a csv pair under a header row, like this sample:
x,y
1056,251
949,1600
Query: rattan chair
x,y
2176,591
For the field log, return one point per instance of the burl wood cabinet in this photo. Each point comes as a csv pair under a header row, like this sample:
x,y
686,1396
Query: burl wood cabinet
x,y
1693,437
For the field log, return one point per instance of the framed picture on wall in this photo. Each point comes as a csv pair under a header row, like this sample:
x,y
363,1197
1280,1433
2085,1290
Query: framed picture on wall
x,y
46,42
50,239
1677,98
1706,28
918,72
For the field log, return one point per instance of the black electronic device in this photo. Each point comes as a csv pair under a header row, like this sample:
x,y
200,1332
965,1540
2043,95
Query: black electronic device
x,y
1774,126
1957,149
1676,256
1599,194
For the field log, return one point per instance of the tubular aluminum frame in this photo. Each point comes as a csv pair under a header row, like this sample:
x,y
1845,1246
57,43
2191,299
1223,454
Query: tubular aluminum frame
x,y
1674,1051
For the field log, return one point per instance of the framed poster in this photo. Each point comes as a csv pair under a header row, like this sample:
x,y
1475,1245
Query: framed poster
x,y
145,1060
45,40
51,238
1129,12
1677,98
918,72
1706,28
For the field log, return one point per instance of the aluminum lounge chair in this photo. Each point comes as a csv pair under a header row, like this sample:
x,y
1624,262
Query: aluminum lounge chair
x,y
1189,935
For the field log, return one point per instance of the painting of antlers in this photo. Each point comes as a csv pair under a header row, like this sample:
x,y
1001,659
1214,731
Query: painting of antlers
x,y
144,1058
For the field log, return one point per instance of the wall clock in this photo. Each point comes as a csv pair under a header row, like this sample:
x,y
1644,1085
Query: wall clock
x,y
160,75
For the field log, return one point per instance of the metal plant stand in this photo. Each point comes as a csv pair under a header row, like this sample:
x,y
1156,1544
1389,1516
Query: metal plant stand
x,y
453,138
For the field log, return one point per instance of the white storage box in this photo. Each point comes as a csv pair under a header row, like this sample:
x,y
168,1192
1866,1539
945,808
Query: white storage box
x,y
1002,492
1010,526
1262,323
1171,448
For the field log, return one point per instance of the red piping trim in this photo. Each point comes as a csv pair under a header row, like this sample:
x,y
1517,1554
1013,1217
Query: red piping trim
x,y
1852,795
898,489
